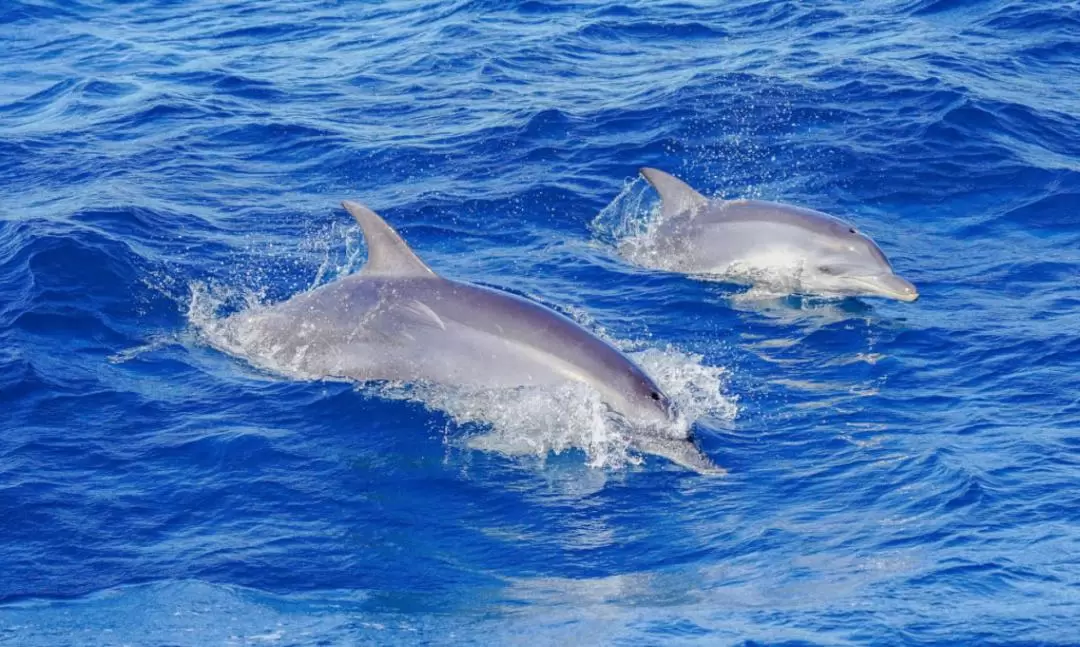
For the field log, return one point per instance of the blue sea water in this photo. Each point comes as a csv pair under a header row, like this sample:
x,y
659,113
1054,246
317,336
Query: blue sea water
x,y
898,473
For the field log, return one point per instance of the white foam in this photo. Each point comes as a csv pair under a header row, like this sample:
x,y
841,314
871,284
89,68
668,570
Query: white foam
x,y
537,422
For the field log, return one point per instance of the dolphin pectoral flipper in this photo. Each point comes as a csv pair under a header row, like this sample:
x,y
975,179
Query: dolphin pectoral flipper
x,y
676,196
388,254
680,452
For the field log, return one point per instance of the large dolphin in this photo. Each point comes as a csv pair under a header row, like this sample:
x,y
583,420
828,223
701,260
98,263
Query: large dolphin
x,y
753,240
398,320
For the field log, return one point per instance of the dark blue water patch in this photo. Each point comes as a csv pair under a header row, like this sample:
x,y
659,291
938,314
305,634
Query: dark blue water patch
x,y
36,101
19,11
632,30
1031,19
1057,211
216,83
1058,54
931,7
261,35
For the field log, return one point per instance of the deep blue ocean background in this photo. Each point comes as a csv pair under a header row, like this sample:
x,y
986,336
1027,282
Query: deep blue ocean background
x,y
899,473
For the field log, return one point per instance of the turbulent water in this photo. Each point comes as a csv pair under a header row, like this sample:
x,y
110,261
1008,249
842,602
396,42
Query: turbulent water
x,y
898,473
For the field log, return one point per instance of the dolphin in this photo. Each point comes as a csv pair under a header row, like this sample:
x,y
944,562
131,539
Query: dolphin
x,y
747,241
397,320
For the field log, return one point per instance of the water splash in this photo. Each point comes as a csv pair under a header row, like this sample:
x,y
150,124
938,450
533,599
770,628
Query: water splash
x,y
629,215
155,343
537,422
217,321
337,260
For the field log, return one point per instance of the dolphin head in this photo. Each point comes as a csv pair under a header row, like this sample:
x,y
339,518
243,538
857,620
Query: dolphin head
x,y
849,263
641,402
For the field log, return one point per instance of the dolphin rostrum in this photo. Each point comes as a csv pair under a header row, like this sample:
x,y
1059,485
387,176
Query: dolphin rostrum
x,y
398,320
748,241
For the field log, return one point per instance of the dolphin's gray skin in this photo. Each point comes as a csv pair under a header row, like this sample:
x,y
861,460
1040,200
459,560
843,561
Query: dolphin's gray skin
x,y
398,320
748,240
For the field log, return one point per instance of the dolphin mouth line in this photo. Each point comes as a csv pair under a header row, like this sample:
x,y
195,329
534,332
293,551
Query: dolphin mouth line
x,y
874,287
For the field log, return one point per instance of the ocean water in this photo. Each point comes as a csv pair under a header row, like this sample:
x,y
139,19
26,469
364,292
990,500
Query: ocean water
x,y
898,473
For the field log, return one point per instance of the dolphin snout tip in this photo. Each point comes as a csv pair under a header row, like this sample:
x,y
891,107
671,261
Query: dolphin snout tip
x,y
908,292
897,288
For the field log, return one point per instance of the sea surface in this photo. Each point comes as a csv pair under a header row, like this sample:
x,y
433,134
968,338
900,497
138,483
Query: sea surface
x,y
898,473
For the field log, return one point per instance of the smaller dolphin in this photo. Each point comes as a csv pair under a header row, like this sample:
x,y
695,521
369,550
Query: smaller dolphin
x,y
396,319
752,241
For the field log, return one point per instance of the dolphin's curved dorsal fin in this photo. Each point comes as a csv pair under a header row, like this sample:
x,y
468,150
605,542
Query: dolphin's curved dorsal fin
x,y
676,196
388,254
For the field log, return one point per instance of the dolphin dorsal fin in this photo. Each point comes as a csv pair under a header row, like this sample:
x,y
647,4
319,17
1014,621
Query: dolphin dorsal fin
x,y
676,196
388,254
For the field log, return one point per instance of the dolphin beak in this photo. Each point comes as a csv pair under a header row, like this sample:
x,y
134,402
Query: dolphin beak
x,y
890,285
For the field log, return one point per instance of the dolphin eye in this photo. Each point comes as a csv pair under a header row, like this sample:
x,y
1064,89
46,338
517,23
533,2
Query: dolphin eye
x,y
851,230
655,396
825,269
